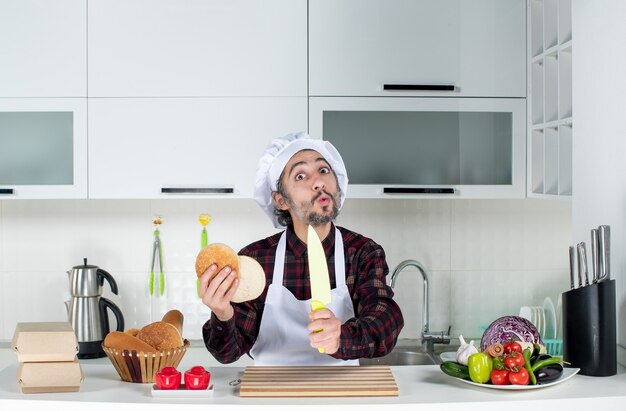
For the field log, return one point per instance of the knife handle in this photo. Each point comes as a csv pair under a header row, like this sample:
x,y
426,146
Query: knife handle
x,y
572,267
604,251
594,256
317,305
579,253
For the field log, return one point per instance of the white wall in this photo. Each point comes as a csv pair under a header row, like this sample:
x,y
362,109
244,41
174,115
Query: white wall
x,y
599,135
486,258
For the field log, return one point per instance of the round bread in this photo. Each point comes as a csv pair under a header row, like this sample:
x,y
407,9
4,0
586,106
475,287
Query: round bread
x,y
161,335
175,318
124,341
133,331
251,280
218,254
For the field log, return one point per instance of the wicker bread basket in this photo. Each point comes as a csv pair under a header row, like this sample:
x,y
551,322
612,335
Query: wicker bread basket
x,y
140,367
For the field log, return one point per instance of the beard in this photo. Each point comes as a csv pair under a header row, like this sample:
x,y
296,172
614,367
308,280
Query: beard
x,y
304,213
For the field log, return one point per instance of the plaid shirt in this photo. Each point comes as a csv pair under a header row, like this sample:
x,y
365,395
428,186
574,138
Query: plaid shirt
x,y
371,333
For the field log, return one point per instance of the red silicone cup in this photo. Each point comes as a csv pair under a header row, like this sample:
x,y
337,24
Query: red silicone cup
x,y
196,379
168,379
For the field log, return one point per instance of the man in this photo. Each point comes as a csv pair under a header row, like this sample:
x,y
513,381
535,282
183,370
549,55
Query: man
x,y
302,181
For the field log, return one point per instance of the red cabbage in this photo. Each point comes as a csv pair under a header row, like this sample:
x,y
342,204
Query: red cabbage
x,y
510,328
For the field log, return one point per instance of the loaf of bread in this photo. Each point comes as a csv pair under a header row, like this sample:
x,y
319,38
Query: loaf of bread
x,y
124,341
133,331
249,271
161,335
251,280
175,318
219,254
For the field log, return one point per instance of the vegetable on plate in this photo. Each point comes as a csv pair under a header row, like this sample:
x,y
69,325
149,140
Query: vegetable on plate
x,y
480,366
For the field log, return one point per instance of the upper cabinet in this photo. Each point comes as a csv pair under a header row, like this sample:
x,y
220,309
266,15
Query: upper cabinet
x,y
169,48
43,48
43,148
550,99
426,147
184,147
454,48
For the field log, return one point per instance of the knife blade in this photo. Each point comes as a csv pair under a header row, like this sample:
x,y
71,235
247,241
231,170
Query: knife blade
x,y
318,273
572,267
604,252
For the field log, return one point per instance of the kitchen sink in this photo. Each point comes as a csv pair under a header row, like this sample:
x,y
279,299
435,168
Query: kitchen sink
x,y
409,352
401,357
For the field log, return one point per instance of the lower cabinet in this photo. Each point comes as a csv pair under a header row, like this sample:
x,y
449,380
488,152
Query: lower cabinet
x,y
181,147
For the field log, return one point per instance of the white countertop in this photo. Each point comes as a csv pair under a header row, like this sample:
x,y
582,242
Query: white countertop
x,y
420,387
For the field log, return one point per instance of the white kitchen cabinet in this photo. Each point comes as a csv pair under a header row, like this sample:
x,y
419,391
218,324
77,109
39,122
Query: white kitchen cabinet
x,y
43,148
423,147
172,48
177,147
43,48
550,99
478,47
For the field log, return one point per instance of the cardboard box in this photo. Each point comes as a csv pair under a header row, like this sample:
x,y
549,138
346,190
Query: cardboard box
x,y
39,377
45,342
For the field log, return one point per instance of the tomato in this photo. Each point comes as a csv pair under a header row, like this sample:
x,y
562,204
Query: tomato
x,y
520,377
500,377
514,361
512,346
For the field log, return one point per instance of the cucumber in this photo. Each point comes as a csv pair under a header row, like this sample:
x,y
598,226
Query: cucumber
x,y
455,369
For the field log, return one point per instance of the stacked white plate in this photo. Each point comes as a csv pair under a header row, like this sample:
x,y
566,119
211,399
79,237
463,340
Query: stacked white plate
x,y
536,316
543,318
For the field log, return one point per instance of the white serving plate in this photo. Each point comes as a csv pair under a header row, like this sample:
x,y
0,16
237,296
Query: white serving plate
x,y
448,356
567,374
182,392
550,312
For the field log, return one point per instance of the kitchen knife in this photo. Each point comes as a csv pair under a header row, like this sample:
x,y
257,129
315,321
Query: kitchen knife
x,y
594,256
604,252
318,273
581,264
585,271
572,267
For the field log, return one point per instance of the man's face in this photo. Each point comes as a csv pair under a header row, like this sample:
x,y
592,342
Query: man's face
x,y
310,189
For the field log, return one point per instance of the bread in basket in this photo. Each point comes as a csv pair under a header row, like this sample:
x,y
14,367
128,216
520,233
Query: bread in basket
x,y
138,354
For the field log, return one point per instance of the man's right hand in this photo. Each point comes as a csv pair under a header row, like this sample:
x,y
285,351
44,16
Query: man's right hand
x,y
217,291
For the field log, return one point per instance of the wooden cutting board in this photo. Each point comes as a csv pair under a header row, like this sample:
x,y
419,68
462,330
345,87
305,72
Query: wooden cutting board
x,y
312,381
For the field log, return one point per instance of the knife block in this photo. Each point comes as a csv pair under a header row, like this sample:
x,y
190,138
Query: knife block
x,y
589,329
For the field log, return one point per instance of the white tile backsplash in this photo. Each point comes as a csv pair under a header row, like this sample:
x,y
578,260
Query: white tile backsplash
x,y
474,250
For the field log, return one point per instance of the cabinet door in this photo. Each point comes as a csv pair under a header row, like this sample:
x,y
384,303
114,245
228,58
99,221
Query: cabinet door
x,y
173,48
43,148
43,48
164,148
426,147
358,46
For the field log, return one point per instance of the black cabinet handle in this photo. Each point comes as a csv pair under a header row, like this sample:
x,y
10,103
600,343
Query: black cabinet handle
x,y
6,191
414,190
419,87
197,190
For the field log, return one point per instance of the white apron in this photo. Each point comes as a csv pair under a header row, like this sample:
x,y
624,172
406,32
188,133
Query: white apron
x,y
283,336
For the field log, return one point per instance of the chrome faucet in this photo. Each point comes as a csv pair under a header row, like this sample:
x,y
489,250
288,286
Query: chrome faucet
x,y
428,338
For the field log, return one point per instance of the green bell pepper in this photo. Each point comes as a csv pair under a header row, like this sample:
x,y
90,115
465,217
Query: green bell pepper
x,y
480,366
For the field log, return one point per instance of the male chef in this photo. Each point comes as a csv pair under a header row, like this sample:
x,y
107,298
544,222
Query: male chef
x,y
300,182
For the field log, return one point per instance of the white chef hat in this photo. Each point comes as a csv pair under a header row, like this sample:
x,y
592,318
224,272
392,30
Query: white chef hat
x,y
276,157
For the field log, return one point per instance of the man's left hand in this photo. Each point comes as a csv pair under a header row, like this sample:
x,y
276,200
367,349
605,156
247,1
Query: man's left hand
x,y
325,330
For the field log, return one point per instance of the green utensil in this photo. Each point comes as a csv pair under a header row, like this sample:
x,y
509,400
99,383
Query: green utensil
x,y
157,253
